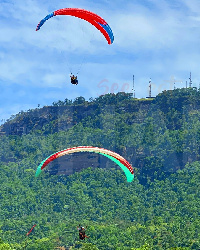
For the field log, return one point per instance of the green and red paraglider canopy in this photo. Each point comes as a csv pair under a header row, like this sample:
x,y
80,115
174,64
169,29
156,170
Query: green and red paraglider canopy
x,y
118,159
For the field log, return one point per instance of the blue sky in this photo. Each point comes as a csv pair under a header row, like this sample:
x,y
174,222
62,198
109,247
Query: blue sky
x,y
157,39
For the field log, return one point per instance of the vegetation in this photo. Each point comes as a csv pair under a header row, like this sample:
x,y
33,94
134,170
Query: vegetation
x,y
158,210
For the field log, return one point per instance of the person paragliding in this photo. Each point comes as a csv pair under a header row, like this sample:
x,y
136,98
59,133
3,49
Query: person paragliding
x,y
74,79
82,234
95,20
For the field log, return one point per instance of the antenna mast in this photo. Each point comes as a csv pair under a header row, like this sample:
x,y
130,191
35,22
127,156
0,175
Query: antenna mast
x,y
190,83
150,87
133,86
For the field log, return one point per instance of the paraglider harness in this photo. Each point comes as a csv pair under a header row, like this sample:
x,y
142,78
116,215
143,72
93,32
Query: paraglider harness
x,y
74,80
82,234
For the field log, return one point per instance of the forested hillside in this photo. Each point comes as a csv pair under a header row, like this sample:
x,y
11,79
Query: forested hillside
x,y
159,210
157,136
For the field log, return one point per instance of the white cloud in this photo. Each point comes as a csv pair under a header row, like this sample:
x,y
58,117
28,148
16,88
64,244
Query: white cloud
x,y
54,80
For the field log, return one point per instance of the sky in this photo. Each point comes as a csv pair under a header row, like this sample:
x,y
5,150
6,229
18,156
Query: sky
x,y
157,39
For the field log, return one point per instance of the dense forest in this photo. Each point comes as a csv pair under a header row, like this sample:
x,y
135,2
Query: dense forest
x,y
160,137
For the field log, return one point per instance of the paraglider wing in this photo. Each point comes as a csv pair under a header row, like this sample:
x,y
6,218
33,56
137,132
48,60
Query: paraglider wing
x,y
118,159
88,16
31,230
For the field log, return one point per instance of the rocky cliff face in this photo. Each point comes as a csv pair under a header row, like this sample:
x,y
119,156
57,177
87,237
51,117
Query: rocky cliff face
x,y
58,118
70,164
50,119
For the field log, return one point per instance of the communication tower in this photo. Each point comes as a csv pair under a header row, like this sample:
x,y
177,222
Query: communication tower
x,y
190,83
133,89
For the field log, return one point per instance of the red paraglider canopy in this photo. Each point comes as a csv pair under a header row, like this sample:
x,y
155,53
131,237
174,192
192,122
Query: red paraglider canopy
x,y
88,16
